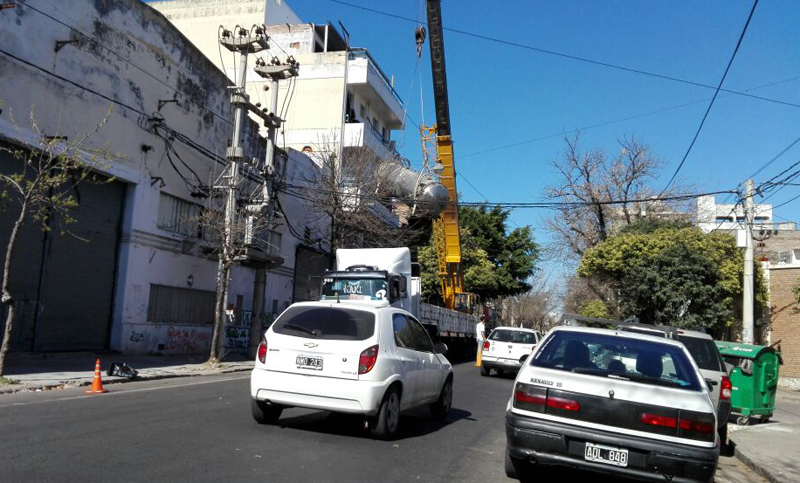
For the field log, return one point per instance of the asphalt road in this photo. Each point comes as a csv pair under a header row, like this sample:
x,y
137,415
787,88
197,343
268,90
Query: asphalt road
x,y
200,429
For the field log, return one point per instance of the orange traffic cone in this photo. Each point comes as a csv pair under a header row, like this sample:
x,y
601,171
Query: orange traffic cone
x,y
97,383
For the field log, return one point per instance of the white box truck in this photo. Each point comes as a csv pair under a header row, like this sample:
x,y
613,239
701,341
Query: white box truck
x,y
381,274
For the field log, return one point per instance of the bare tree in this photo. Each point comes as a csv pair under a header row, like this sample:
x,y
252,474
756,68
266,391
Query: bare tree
x,y
533,310
231,243
604,191
41,190
350,197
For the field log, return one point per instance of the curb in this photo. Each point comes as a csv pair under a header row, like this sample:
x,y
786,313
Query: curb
x,y
22,387
757,468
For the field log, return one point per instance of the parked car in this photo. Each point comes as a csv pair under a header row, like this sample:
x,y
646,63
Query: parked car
x,y
611,401
713,368
351,358
506,349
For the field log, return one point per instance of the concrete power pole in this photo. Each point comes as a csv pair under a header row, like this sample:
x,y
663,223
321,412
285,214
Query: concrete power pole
x,y
244,42
747,289
274,71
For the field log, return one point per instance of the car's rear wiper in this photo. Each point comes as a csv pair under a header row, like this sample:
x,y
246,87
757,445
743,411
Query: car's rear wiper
x,y
588,370
289,325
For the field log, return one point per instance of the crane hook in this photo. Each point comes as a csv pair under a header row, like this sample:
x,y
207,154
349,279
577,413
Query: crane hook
x,y
419,35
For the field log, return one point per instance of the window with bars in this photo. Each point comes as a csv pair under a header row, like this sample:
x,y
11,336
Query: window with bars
x,y
179,216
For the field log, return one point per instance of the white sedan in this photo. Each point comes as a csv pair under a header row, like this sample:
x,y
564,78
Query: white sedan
x,y
350,357
507,348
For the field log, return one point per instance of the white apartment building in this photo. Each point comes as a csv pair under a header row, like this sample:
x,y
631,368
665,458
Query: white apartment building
x,y
318,108
728,216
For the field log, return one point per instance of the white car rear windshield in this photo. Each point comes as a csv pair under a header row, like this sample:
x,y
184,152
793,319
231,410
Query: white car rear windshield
x,y
516,336
618,357
326,323
704,352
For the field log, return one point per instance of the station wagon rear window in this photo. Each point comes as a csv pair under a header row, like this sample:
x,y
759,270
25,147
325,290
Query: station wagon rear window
x,y
327,323
515,336
619,358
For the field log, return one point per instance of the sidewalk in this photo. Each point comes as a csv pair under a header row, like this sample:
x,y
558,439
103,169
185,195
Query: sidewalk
x,y
771,449
46,371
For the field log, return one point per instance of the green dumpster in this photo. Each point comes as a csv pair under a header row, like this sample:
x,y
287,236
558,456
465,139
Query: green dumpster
x,y
754,378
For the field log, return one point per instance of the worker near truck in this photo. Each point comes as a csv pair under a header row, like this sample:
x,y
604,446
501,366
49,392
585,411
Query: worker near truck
x,y
480,332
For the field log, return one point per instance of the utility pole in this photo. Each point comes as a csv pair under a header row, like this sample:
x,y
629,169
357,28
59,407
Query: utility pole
x,y
274,71
747,289
244,42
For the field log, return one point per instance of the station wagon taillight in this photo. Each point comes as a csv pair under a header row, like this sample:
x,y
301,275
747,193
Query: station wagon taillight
x,y
533,398
690,428
262,350
725,388
486,345
367,359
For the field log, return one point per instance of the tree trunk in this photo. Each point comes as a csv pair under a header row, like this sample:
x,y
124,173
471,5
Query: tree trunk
x,y
7,299
219,309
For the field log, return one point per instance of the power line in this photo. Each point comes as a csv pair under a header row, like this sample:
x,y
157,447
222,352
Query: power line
x,y
566,56
785,202
711,104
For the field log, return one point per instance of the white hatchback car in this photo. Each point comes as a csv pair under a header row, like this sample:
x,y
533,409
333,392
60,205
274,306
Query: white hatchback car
x,y
506,349
350,357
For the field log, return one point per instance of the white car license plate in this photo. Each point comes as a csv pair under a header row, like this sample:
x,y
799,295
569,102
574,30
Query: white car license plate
x,y
606,454
306,362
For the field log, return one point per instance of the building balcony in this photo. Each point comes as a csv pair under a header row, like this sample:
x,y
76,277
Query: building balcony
x,y
366,77
358,134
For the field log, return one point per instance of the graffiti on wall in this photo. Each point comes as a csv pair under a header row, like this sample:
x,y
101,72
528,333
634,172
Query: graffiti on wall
x,y
187,340
237,332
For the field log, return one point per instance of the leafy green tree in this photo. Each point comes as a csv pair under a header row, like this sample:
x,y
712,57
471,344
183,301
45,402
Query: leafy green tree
x,y
672,274
495,262
596,308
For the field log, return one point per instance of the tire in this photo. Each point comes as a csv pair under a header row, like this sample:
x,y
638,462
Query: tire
x,y
384,425
723,438
265,413
485,371
743,420
517,469
441,408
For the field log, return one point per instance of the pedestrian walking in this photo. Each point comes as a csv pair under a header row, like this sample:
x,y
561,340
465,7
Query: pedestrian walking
x,y
480,333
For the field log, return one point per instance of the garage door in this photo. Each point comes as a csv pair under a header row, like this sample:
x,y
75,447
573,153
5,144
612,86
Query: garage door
x,y
70,284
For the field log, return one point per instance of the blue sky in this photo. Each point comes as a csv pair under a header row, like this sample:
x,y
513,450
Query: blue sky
x,y
502,95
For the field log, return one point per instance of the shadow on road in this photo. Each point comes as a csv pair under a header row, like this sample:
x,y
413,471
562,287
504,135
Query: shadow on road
x,y
415,423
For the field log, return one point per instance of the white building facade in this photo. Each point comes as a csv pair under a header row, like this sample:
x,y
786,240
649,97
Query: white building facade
x,y
139,276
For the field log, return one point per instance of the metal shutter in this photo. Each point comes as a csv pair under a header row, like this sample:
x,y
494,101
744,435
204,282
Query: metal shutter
x,y
25,265
309,266
78,288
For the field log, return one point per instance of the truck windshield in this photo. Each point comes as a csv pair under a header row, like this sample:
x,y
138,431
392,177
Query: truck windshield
x,y
354,289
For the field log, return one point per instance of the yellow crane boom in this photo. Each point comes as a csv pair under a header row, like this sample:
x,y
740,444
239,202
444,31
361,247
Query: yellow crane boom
x,y
436,141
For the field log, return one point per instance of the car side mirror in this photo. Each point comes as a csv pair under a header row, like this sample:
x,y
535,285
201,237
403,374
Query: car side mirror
x,y
403,285
441,348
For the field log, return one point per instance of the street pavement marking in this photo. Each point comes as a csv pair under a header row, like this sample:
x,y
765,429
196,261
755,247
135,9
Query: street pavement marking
x,y
129,391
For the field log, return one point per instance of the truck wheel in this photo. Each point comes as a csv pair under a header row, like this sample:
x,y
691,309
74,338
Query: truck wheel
x,y
265,413
384,425
485,371
441,408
